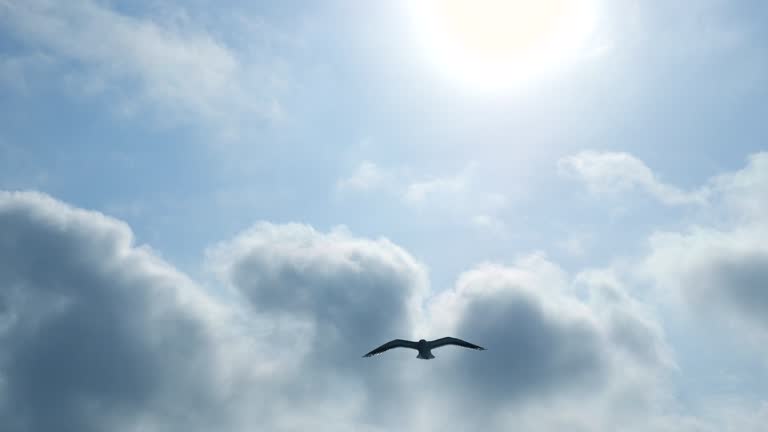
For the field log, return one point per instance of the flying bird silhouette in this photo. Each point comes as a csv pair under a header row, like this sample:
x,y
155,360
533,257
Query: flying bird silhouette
x,y
422,346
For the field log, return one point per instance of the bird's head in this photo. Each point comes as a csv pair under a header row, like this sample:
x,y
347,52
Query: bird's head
x,y
421,341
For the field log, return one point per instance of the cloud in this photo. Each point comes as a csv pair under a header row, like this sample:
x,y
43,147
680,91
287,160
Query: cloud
x,y
614,172
334,279
347,293
418,192
556,345
709,275
742,193
367,176
720,267
174,64
98,333
716,266
458,196
489,223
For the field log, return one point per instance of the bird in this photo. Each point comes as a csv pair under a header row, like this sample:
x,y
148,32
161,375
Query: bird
x,y
423,347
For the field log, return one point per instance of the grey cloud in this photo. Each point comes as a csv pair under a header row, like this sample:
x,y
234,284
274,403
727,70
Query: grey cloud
x,y
99,334
547,347
720,267
95,329
715,271
544,343
459,196
362,289
533,352
746,281
353,293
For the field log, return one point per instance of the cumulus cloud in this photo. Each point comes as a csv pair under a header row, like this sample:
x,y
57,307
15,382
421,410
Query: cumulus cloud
x,y
720,267
716,266
577,348
713,267
173,63
98,333
615,172
353,289
348,293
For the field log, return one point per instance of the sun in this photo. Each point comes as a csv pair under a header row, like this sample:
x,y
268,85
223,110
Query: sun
x,y
491,44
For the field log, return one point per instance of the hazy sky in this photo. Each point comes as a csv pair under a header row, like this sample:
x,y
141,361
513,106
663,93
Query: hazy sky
x,y
210,210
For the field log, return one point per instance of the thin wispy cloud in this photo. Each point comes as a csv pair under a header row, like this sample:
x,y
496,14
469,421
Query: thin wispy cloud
x,y
367,176
177,65
460,194
619,172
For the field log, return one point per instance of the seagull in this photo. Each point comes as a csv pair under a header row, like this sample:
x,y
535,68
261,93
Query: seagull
x,y
422,346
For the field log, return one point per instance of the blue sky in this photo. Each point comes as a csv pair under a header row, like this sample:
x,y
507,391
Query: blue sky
x,y
237,139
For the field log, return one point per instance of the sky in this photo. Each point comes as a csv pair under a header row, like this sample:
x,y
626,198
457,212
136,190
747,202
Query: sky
x,y
209,211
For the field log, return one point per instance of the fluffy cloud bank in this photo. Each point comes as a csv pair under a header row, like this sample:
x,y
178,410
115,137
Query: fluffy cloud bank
x,y
98,333
721,266
716,266
566,352
95,333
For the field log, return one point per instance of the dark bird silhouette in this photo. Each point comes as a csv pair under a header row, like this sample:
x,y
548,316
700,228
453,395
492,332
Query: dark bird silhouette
x,y
423,347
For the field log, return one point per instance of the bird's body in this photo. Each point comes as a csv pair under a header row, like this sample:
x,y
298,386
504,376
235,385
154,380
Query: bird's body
x,y
425,352
422,346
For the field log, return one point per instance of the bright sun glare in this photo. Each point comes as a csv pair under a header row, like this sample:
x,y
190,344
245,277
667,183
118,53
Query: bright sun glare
x,y
491,44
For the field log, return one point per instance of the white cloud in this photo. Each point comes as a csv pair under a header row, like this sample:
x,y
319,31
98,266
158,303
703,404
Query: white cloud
x,y
615,172
743,193
461,196
578,352
489,223
721,267
440,188
97,333
458,196
174,64
367,176
717,267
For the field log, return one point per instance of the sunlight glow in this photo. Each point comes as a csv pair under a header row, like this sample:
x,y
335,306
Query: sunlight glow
x,y
491,44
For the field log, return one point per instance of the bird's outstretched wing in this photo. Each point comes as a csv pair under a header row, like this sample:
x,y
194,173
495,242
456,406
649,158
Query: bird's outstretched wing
x,y
437,343
397,343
